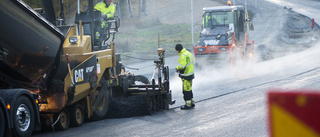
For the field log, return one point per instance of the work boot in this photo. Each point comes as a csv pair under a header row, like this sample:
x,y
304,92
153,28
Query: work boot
x,y
193,103
185,107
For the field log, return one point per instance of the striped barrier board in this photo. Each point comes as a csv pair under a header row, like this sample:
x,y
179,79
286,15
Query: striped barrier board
x,y
294,113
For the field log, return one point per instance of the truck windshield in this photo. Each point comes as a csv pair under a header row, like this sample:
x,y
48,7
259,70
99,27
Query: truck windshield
x,y
213,19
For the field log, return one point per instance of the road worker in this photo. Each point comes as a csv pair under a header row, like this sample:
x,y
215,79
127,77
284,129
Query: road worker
x,y
107,9
186,73
208,21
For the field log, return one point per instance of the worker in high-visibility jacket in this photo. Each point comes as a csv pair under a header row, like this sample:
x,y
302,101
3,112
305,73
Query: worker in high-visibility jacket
x,y
208,21
205,21
186,73
107,9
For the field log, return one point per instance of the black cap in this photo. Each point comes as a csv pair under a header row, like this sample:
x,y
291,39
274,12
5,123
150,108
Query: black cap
x,y
179,47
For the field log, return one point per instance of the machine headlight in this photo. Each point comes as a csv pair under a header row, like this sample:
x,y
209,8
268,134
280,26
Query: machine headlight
x,y
73,40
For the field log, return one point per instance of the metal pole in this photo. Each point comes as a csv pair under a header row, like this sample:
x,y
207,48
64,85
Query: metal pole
x,y
245,3
129,9
234,2
192,21
78,6
62,9
140,8
255,3
154,11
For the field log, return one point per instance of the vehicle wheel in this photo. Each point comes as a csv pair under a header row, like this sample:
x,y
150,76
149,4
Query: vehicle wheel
x,y
64,121
77,115
2,123
102,109
23,117
142,79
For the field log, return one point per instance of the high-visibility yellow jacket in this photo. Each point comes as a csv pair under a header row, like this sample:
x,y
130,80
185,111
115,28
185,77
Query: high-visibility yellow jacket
x,y
109,11
208,21
185,66
205,20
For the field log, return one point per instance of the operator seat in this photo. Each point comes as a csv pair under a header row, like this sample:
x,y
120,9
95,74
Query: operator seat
x,y
89,21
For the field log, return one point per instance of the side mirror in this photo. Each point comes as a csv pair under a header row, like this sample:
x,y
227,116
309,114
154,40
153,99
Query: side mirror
x,y
231,27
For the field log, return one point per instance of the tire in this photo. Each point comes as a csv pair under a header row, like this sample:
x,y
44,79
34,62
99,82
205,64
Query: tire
x,y
23,117
102,109
142,79
2,123
76,115
64,121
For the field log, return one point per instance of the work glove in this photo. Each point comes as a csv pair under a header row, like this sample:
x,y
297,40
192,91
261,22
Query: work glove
x,y
177,70
105,16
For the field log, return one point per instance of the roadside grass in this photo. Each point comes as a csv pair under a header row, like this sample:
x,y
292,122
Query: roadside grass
x,y
143,42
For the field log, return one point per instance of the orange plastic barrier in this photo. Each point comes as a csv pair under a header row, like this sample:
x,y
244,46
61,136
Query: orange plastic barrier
x,y
294,113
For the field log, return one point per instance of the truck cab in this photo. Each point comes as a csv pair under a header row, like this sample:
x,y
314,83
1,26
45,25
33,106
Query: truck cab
x,y
223,34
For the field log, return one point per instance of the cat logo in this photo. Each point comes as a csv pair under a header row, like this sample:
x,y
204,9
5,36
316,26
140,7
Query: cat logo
x,y
78,75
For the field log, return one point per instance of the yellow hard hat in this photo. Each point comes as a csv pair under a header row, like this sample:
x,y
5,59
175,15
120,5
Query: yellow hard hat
x,y
229,3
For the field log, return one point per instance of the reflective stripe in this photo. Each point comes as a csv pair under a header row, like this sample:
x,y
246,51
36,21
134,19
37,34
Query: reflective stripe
x,y
182,66
187,74
189,64
186,62
102,7
188,102
190,61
